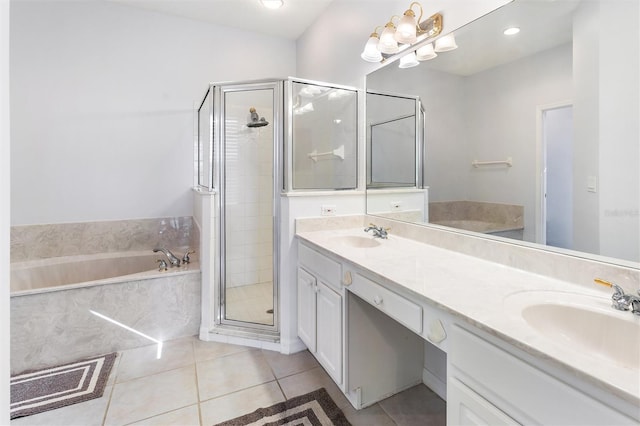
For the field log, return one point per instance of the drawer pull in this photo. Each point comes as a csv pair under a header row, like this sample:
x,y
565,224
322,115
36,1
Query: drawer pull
x,y
377,300
437,332
347,278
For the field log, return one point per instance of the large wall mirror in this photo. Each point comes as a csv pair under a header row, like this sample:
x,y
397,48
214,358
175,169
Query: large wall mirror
x,y
534,136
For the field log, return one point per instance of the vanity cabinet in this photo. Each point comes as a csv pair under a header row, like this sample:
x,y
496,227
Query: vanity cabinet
x,y
369,334
320,309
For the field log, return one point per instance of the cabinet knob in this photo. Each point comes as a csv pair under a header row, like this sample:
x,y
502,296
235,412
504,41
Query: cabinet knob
x,y
347,278
437,332
377,300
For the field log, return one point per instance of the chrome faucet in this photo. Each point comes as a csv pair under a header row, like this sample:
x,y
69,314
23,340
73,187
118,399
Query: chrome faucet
x,y
173,260
186,259
378,231
620,300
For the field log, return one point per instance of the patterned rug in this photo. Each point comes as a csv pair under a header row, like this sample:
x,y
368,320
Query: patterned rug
x,y
38,391
313,409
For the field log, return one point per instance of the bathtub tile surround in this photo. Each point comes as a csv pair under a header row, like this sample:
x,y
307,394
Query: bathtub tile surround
x,y
29,242
96,315
57,327
167,391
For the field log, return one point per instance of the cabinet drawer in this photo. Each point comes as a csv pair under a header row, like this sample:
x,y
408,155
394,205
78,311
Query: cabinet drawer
x,y
397,307
518,387
321,266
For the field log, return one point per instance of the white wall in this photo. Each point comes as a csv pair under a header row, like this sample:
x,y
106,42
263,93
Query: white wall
x,y
586,74
620,132
501,122
102,106
4,211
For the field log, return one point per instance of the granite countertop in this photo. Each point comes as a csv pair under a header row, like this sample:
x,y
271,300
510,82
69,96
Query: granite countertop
x,y
486,295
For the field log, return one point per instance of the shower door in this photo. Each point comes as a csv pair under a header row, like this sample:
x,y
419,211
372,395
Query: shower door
x,y
249,129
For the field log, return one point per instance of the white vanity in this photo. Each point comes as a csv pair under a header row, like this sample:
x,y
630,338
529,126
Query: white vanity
x,y
369,309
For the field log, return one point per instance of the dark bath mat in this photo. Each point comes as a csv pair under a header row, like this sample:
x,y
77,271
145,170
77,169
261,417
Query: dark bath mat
x,y
314,408
38,391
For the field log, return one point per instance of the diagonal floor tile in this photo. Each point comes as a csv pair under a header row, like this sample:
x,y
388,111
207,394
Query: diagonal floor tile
x,y
144,361
418,405
204,351
187,416
301,383
240,403
372,415
232,373
286,365
149,396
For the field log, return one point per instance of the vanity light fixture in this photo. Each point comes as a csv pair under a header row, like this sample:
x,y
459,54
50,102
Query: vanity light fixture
x,y
446,43
272,4
371,52
387,43
401,34
426,52
408,26
409,60
511,31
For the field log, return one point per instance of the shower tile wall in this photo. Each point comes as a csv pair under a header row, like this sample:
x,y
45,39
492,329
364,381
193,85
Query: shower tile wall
x,y
249,195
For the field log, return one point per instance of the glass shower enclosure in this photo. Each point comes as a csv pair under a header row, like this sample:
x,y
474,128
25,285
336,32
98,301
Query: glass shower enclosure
x,y
256,141
239,154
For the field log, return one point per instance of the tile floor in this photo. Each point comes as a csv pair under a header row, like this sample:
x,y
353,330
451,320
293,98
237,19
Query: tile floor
x,y
204,383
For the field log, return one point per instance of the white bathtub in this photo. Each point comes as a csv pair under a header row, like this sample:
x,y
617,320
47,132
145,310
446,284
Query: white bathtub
x,y
43,275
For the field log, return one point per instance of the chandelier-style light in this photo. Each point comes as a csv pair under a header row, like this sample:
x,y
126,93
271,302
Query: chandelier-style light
x,y
406,32
401,35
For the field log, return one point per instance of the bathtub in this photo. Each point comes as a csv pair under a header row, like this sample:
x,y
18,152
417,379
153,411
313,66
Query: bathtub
x,y
68,308
56,273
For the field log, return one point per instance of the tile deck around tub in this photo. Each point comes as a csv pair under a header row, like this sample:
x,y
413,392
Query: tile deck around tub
x,y
203,383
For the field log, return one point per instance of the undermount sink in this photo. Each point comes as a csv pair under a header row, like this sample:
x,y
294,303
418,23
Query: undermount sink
x,y
356,241
587,324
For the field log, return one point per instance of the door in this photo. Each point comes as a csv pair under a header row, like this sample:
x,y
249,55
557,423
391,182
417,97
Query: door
x,y
558,177
250,151
329,330
307,309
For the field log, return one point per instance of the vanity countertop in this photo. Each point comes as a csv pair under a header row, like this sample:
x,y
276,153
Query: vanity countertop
x,y
479,292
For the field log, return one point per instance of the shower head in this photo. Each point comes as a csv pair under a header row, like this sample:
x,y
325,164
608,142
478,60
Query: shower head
x,y
255,121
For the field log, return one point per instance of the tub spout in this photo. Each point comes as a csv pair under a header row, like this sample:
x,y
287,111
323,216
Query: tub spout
x,y
173,260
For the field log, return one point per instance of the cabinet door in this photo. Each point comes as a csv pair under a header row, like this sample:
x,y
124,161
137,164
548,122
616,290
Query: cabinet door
x,y
307,309
329,328
465,407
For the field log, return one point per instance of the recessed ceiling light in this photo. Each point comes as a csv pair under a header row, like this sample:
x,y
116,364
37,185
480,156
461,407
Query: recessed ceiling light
x,y
272,4
511,31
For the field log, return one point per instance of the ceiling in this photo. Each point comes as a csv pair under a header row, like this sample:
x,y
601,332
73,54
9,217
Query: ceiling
x,y
290,21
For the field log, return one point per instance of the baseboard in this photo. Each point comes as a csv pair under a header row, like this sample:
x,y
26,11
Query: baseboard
x,y
292,346
434,383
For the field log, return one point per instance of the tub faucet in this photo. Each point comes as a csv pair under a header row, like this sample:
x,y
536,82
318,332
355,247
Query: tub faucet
x,y
378,231
173,260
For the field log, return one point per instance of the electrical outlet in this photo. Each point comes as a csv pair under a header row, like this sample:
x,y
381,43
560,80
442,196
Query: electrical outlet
x,y
396,205
328,210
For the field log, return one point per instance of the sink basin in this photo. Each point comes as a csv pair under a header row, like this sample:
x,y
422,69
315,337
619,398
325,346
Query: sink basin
x,y
583,323
356,241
